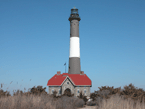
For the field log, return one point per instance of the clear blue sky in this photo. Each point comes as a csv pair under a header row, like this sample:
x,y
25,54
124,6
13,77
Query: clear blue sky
x,y
34,41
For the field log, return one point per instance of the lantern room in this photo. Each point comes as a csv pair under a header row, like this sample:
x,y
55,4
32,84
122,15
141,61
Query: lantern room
x,y
74,14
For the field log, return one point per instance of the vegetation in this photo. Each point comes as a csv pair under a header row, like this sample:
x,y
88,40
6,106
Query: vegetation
x,y
118,102
129,92
105,98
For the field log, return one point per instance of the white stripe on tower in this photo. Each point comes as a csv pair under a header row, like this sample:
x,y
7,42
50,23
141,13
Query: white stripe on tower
x,y
74,47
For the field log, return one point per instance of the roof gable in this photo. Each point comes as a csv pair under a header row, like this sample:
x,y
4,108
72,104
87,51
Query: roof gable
x,y
66,80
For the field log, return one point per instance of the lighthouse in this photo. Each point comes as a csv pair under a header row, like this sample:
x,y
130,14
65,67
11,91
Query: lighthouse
x,y
75,81
74,53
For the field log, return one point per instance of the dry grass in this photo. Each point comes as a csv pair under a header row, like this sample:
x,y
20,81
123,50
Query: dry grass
x,y
24,102
48,102
117,102
39,102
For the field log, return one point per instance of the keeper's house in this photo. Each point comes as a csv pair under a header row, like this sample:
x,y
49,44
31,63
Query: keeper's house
x,y
72,83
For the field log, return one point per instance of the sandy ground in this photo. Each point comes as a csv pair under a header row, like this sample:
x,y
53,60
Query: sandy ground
x,y
89,107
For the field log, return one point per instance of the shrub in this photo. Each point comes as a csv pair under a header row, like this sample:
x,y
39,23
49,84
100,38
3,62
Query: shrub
x,y
4,93
82,96
91,103
38,90
66,102
55,94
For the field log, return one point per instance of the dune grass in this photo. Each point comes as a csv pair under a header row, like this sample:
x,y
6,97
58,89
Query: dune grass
x,y
117,102
40,102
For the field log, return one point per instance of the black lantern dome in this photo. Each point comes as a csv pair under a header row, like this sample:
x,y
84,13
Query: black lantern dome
x,y
74,14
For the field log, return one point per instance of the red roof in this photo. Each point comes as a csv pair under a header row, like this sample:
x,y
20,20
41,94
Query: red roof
x,y
77,79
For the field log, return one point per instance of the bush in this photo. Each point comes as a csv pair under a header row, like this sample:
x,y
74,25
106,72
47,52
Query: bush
x,y
4,93
79,103
91,103
66,102
38,90
81,96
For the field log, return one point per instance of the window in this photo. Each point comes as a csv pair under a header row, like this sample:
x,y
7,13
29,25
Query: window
x,y
52,91
67,82
78,91
85,92
59,91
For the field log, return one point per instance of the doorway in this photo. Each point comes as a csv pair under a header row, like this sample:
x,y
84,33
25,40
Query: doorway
x,y
67,92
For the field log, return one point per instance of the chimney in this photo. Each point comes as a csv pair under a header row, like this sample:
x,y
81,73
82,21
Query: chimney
x,y
82,72
58,72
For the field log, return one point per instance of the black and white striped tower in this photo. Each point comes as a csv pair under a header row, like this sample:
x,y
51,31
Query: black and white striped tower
x,y
74,56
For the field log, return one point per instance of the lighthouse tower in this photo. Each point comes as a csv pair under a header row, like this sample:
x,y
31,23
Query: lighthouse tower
x,y
74,56
75,81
